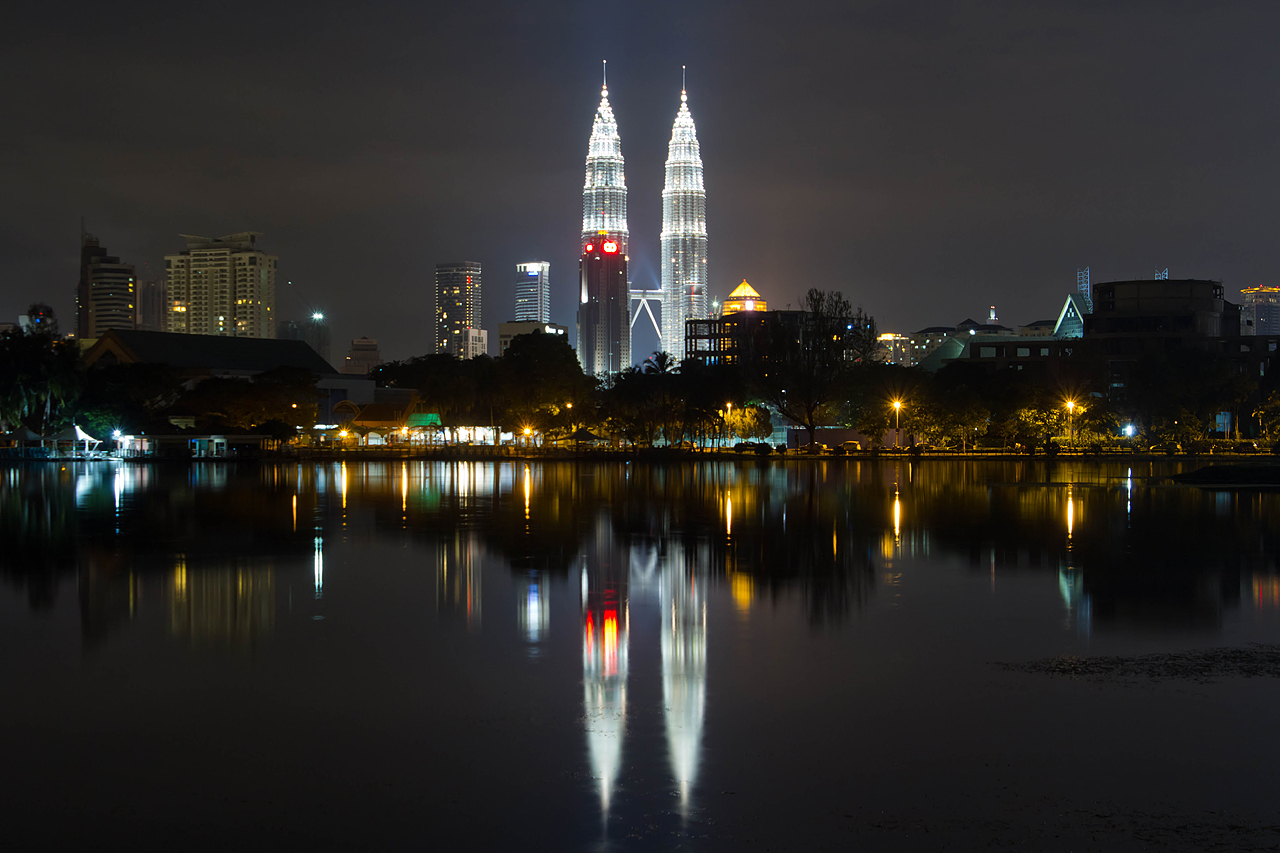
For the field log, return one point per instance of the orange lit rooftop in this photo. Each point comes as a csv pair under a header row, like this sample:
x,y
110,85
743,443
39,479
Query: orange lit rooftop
x,y
744,298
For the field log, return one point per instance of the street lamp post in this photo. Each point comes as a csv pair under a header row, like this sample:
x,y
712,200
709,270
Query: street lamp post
x,y
1071,410
728,429
897,430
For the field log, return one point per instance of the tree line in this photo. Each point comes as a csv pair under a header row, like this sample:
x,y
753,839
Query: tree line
x,y
818,367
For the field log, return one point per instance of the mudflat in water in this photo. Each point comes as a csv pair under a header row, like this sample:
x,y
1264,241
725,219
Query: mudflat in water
x,y
731,655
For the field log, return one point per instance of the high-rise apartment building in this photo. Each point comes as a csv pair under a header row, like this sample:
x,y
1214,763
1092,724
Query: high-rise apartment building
x,y
222,286
106,293
458,303
533,292
684,233
604,333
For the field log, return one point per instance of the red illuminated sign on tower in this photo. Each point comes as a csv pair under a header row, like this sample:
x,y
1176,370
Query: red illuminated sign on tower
x,y
610,247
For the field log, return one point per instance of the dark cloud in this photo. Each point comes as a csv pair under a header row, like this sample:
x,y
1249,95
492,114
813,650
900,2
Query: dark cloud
x,y
929,159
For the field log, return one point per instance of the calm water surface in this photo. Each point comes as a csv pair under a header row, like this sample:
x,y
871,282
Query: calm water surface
x,y
719,656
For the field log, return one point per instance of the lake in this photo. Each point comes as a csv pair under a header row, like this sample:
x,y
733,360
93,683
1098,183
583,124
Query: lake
x,y
743,654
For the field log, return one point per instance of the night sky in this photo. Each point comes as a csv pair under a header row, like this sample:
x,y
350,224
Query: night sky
x,y
927,159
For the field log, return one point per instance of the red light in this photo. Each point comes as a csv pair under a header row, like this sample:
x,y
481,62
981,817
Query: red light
x,y
610,247
590,247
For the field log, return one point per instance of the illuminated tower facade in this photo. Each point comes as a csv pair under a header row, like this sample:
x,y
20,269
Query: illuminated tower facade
x,y
222,286
458,287
604,333
684,233
533,292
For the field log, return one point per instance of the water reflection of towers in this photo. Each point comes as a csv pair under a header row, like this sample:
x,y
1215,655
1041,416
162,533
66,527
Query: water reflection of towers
x,y
611,575
682,591
605,619
458,578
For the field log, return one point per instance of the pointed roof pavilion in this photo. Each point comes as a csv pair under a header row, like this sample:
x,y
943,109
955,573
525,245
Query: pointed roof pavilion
x,y
744,298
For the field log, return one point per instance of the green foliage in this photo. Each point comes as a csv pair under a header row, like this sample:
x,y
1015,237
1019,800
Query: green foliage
x,y
127,397
40,377
287,395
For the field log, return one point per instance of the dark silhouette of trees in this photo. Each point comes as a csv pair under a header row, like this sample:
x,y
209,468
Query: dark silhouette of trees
x,y
810,358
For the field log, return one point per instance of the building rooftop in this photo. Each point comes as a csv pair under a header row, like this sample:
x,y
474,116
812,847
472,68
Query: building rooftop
x,y
205,352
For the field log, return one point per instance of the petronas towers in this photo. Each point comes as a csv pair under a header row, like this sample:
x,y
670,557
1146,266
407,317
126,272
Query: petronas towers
x,y
684,233
604,318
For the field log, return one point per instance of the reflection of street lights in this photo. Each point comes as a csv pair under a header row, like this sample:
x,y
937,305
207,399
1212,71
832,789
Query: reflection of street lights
x,y
897,430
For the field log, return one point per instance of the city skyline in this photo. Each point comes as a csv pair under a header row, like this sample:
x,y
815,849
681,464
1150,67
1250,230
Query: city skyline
x,y
927,161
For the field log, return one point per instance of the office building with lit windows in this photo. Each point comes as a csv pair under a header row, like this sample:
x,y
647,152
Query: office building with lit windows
x,y
222,286
458,302
533,292
604,331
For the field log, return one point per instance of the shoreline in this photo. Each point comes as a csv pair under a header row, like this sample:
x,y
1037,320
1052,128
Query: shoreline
x,y
660,455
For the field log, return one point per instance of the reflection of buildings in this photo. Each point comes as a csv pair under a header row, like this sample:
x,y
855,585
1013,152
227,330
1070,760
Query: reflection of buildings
x,y
533,606
458,579
222,605
604,657
682,595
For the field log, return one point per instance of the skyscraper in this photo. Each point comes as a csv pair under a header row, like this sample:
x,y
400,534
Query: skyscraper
x,y
533,292
153,309
684,233
1262,306
604,333
107,291
222,286
457,305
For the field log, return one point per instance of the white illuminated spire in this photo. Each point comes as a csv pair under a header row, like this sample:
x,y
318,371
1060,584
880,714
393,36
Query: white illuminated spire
x,y
684,232
604,193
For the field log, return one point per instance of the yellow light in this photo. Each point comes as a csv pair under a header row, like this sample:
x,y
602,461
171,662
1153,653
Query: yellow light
x,y
897,517
897,404
527,431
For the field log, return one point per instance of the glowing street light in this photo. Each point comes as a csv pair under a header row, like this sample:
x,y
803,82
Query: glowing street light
x,y
897,430
1071,410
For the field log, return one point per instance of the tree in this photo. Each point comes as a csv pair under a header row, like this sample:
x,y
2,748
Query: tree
x,y
801,374
1268,414
40,377
128,397
542,384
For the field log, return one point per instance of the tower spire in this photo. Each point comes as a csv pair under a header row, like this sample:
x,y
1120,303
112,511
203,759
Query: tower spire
x,y
604,75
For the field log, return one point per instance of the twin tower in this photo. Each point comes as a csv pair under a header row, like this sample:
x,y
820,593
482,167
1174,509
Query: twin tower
x,y
605,294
